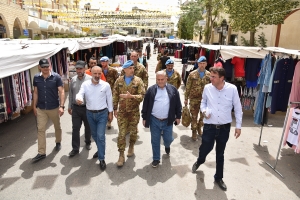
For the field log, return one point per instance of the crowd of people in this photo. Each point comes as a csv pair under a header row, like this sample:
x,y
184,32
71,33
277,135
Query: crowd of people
x,y
99,94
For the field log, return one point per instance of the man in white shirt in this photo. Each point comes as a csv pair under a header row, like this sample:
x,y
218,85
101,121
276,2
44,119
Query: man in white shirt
x,y
217,101
98,97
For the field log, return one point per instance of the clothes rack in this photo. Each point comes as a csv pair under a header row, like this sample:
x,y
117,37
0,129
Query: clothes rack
x,y
280,144
262,118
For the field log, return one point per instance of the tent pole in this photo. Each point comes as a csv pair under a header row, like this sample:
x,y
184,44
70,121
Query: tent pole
x,y
262,123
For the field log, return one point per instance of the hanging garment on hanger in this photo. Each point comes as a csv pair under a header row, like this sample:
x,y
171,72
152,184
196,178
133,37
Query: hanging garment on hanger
x,y
239,70
282,84
16,92
252,68
292,129
295,91
2,100
28,86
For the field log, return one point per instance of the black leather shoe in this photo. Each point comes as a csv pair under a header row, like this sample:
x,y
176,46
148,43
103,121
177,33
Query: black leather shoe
x,y
38,157
155,163
195,167
221,184
102,164
88,146
73,153
58,146
167,149
95,155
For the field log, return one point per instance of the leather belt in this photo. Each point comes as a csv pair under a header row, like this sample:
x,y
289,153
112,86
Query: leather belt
x,y
160,119
97,111
79,105
217,126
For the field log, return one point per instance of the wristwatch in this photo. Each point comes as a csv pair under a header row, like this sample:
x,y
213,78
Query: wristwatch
x,y
63,107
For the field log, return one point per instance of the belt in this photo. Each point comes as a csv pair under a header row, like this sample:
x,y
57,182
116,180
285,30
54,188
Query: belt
x,y
97,111
217,126
79,105
159,119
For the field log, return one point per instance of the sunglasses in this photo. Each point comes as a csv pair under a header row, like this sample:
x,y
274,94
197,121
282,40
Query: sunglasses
x,y
44,66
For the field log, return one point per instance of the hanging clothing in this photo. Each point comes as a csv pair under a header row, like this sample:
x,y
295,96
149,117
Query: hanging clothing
x,y
295,91
292,129
238,63
252,68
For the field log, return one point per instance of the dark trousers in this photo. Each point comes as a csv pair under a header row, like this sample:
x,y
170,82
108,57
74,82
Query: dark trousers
x,y
79,116
212,133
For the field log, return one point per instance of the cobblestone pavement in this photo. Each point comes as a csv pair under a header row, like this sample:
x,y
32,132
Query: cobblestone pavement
x,y
59,177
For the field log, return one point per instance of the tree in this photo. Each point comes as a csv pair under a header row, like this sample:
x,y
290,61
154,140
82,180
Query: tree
x,y
194,11
249,15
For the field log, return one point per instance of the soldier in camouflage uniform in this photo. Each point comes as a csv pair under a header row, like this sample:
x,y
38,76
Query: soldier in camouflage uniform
x,y
174,77
139,69
196,81
129,91
159,55
111,76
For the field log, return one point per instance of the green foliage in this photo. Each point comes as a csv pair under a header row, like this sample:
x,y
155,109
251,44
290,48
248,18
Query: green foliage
x,y
245,42
37,37
249,15
262,41
23,37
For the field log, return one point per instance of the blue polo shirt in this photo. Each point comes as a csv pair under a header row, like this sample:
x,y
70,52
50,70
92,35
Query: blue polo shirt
x,y
48,98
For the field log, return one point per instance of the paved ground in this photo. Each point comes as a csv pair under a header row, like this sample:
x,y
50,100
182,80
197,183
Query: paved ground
x,y
59,177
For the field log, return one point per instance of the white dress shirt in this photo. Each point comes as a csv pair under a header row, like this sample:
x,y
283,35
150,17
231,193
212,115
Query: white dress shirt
x,y
220,103
97,97
161,104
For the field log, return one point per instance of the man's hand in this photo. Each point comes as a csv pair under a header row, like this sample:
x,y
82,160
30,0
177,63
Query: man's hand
x,y
79,102
177,121
116,113
237,133
185,102
60,111
34,111
144,123
110,116
70,111
126,96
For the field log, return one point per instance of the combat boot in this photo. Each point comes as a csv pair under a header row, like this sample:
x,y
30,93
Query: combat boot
x,y
121,160
130,150
194,135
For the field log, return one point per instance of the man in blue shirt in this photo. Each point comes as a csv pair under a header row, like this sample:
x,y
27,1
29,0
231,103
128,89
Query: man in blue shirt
x,y
161,107
218,98
47,104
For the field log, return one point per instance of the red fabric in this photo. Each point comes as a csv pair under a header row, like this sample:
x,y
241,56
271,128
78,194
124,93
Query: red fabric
x,y
239,70
218,64
202,52
211,57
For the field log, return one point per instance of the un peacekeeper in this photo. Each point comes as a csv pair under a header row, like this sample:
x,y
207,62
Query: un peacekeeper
x,y
174,77
159,55
196,81
111,75
129,91
139,69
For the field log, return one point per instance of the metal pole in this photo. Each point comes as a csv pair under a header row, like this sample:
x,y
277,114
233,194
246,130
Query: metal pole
x,y
262,124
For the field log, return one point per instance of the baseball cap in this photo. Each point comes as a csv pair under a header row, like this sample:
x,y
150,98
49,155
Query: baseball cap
x,y
169,61
44,62
202,59
80,64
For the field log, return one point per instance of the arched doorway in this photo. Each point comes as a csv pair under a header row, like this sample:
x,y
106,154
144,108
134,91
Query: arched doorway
x,y
17,30
156,33
4,31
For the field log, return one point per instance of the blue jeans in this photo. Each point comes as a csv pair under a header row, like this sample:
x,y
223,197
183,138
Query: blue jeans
x,y
211,133
97,122
160,128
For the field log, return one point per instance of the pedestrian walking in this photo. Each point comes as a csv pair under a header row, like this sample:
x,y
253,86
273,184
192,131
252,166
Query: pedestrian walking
x,y
111,75
78,112
174,78
161,108
92,63
128,93
48,102
161,65
194,87
216,105
98,97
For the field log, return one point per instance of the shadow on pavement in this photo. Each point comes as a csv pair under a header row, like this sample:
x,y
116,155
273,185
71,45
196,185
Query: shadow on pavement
x,y
119,175
287,165
163,172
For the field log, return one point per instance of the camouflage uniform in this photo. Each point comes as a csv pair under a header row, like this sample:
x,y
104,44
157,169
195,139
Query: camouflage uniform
x,y
175,79
141,72
111,76
193,92
128,113
158,56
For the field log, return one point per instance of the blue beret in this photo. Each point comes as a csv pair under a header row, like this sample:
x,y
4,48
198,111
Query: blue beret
x,y
104,58
169,61
127,64
202,59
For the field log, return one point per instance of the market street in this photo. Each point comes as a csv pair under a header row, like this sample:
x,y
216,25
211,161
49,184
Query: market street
x,y
246,174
